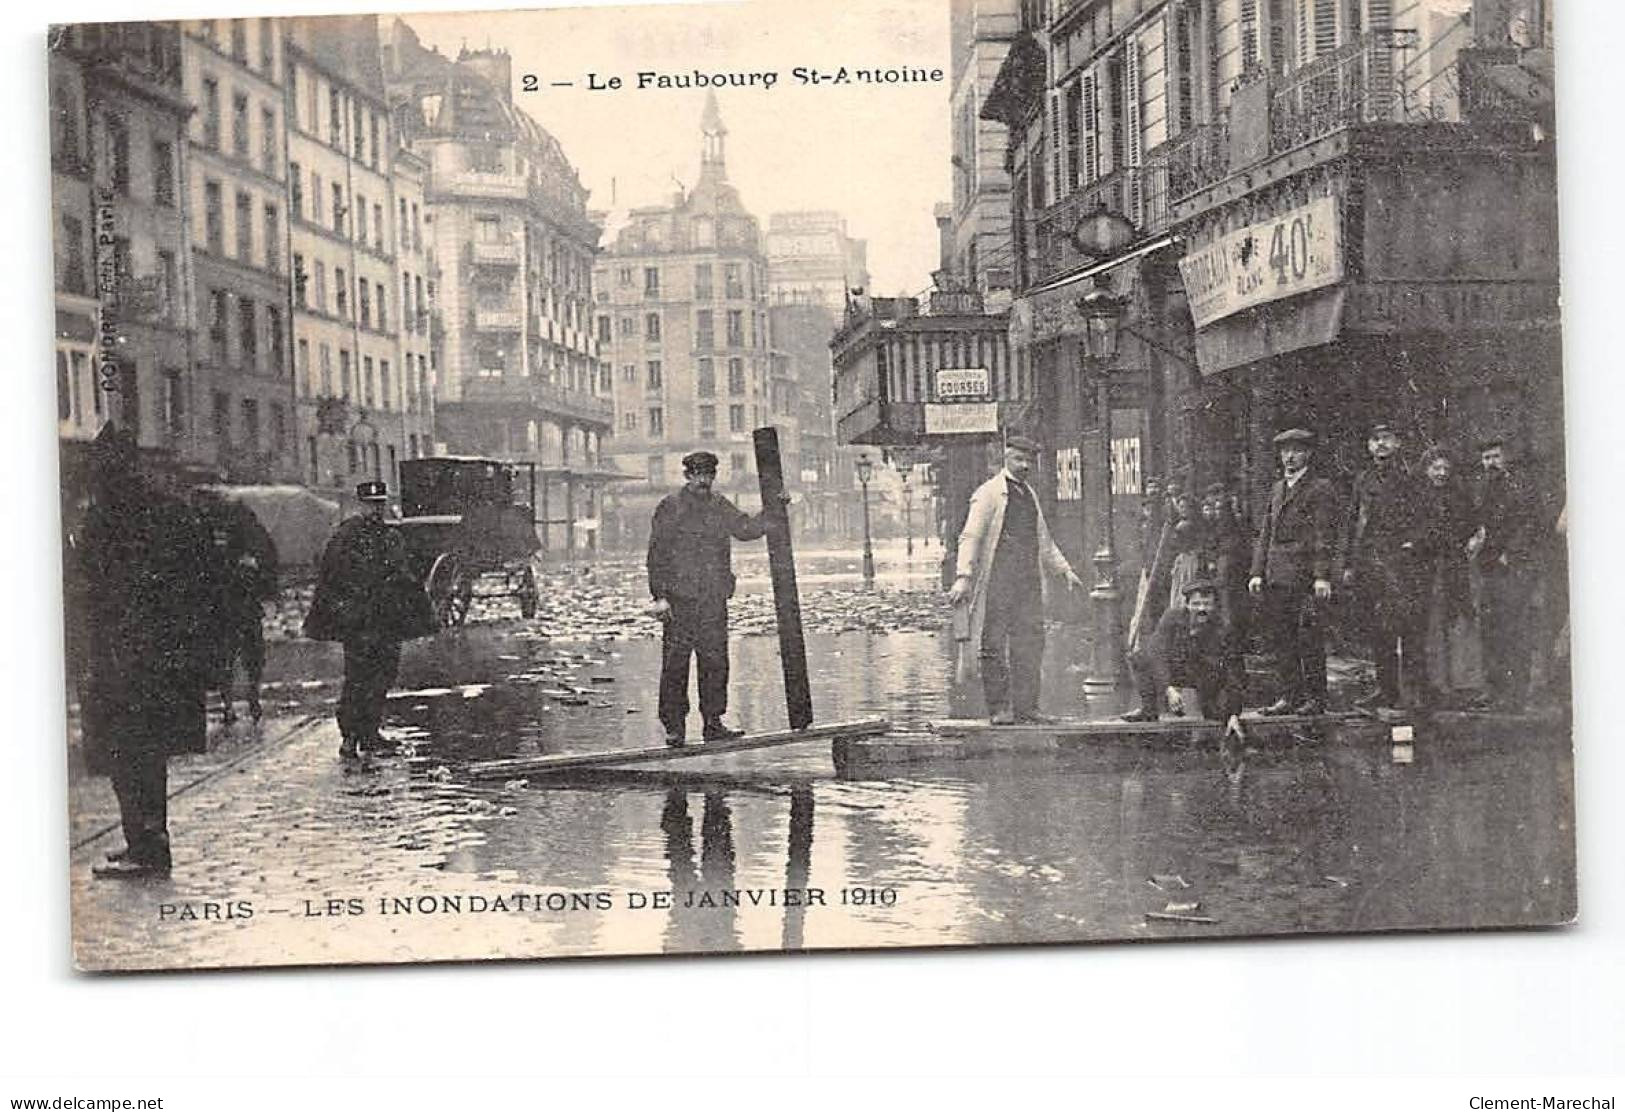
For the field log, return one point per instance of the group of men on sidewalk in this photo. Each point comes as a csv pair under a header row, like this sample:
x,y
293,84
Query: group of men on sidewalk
x,y
1399,548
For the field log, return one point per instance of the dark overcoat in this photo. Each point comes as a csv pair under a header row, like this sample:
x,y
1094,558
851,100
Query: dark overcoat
x,y
691,545
1298,539
146,576
366,590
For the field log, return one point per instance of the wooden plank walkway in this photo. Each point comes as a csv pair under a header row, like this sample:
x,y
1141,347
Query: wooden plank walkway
x,y
561,762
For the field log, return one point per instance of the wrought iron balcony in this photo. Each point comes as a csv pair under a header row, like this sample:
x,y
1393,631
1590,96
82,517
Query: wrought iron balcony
x,y
1139,193
1198,157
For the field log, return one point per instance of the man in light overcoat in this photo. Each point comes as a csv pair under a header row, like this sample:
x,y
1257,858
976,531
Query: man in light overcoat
x,y
1007,565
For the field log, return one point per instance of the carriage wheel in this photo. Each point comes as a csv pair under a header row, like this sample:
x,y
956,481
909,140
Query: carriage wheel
x,y
444,584
528,596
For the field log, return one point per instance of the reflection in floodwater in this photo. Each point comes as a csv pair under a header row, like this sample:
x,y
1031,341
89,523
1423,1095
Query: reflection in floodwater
x,y
1319,835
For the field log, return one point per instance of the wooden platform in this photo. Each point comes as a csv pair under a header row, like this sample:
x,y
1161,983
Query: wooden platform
x,y
568,762
952,740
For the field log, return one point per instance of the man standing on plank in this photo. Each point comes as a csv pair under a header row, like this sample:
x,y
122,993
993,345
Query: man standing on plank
x,y
1006,559
691,579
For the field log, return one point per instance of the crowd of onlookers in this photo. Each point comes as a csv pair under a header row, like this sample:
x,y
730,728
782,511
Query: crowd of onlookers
x,y
1452,579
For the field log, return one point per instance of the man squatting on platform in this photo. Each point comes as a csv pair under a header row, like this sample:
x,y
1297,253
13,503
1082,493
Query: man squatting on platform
x,y
1192,647
1006,562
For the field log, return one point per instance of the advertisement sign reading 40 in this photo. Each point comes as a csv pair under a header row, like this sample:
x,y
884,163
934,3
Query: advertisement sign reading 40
x,y
1294,253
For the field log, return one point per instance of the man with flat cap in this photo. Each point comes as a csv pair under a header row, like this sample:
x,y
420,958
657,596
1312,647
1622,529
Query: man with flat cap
x,y
368,598
1292,575
691,579
1192,647
1504,518
1007,562
1378,557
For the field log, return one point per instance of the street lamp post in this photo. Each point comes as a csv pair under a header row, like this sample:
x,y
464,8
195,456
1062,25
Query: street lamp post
x,y
1103,315
866,469
903,469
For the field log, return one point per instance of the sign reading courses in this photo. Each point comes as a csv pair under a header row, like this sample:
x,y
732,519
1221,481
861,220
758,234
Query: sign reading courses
x,y
1294,253
970,382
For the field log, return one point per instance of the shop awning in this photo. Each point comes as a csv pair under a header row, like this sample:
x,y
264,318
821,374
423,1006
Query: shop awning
x,y
1269,330
1128,256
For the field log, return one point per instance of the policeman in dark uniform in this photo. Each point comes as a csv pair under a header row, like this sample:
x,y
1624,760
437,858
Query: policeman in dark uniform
x,y
368,598
1292,575
1379,561
1504,515
691,578
1192,647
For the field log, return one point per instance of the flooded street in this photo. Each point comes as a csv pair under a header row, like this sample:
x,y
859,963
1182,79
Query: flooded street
x,y
773,849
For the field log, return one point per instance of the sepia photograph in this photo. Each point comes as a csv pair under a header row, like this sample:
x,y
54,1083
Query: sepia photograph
x,y
770,477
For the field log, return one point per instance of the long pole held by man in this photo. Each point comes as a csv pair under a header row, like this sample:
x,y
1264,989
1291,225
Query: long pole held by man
x,y
691,578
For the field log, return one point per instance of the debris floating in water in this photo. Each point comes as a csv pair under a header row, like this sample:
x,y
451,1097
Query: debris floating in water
x,y
1167,917
1166,881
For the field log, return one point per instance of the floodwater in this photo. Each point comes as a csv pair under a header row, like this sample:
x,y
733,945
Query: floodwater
x,y
411,859
1319,836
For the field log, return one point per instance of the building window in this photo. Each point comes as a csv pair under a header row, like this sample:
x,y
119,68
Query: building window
x,y
245,227
627,326
364,303
651,281
736,418
321,286
218,310
704,332
705,379
359,134
657,421
73,255
341,292
315,197
211,113
624,276
372,141
273,239
302,355
273,328
366,381
296,189
386,395
629,422
268,141
222,420
163,174
406,302
361,219
168,279
736,376
251,424
335,119
279,428
174,402
239,124
338,208
604,332
383,312
404,226
267,61
378,227
248,334
629,373
731,279
654,382
702,282
651,327
708,420
327,371
64,388
736,328
239,40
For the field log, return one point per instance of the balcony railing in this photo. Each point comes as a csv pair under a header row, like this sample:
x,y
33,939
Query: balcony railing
x,y
1198,157
498,320
537,394
1139,193
1354,84
504,253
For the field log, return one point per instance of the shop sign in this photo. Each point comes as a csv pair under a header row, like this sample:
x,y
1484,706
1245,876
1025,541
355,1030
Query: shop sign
x,y
1068,475
961,417
971,382
1296,252
1126,465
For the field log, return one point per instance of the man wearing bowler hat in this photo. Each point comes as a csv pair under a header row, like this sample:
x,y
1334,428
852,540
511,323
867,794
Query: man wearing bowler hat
x,y
691,579
1379,562
1292,574
368,598
1006,559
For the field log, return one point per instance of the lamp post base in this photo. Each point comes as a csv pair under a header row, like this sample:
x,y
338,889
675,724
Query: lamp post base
x,y
1108,668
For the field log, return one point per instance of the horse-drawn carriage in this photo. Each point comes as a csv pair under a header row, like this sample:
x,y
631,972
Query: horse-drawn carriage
x,y
465,527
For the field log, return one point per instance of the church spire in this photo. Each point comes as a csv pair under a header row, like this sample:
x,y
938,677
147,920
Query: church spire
x,y
712,155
